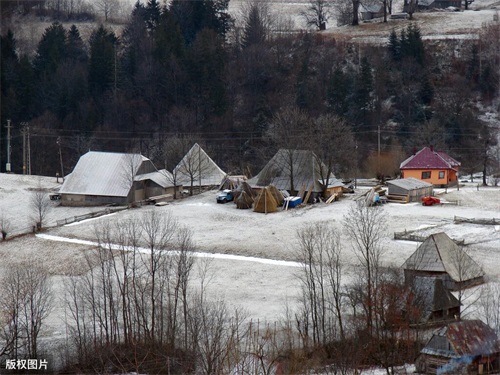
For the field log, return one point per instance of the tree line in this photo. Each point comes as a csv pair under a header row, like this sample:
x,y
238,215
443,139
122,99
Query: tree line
x,y
189,70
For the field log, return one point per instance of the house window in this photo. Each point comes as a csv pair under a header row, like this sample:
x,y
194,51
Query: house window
x,y
426,175
441,175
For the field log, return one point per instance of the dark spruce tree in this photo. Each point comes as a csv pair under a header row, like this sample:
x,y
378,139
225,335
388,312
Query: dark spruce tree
x,y
103,55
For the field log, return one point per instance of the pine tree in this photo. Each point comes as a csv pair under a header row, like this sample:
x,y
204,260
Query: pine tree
x,y
51,50
255,29
102,74
394,46
75,48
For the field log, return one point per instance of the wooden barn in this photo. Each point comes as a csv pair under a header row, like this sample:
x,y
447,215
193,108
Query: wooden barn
x,y
434,167
439,256
435,304
411,189
114,178
464,347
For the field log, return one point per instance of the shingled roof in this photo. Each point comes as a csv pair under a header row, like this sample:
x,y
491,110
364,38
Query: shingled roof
x,y
307,171
467,337
427,158
199,167
438,253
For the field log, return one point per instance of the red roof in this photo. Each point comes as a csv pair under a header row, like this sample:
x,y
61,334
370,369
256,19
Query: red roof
x,y
427,158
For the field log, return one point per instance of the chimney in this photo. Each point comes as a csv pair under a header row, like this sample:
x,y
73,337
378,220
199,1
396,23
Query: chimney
x,y
432,148
414,150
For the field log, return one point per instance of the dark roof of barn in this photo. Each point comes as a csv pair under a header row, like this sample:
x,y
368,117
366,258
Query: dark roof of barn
x,y
438,253
307,170
427,158
466,337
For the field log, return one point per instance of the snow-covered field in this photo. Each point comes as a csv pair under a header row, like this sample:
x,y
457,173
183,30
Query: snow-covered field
x,y
253,265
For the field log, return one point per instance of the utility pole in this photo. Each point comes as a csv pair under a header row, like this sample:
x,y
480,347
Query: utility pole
x,y
378,157
29,152
60,157
23,130
7,166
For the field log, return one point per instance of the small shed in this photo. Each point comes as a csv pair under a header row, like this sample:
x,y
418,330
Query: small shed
x,y
371,11
465,347
410,187
439,256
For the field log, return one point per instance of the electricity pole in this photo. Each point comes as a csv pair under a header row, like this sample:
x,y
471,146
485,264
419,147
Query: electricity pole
x,y
23,130
7,166
60,157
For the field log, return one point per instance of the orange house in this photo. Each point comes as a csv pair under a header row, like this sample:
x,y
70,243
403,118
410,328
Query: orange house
x,y
435,167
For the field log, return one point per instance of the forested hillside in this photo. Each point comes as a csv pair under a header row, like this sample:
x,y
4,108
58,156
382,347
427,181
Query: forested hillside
x,y
183,74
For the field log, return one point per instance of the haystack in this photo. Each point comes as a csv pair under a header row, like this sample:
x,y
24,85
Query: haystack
x,y
265,202
278,197
244,186
244,201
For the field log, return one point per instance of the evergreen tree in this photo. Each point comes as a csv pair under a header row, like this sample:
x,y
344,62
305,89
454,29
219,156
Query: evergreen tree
x,y
361,104
255,27
75,48
152,13
394,46
338,92
426,90
416,47
194,16
102,73
51,50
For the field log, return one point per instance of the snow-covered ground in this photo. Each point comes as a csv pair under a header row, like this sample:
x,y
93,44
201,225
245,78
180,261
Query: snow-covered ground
x,y
254,263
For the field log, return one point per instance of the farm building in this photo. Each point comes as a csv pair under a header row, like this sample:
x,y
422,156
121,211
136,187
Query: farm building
x,y
435,303
410,188
371,11
293,170
198,170
434,167
439,256
465,347
113,178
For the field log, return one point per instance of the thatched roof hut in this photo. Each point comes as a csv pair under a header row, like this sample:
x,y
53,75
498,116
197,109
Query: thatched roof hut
x,y
265,202
244,201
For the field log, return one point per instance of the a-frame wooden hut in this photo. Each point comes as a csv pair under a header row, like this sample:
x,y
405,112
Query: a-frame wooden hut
x,y
198,170
439,256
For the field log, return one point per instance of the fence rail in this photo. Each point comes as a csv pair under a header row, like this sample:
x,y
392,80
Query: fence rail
x,y
89,215
461,220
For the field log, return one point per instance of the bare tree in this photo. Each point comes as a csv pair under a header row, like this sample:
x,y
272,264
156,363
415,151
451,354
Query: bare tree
x,y
288,131
108,8
317,13
489,305
365,227
321,279
334,147
40,205
25,302
194,167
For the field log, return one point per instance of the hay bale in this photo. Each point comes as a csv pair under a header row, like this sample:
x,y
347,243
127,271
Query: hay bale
x,y
278,197
244,201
